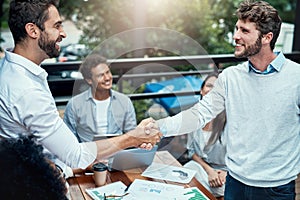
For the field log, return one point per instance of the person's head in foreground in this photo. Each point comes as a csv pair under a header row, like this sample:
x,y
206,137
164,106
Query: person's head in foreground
x,y
26,173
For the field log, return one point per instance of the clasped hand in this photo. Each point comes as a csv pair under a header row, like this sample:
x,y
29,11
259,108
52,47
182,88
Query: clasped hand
x,y
217,178
148,133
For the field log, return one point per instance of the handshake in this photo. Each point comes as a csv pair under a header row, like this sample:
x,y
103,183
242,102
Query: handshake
x,y
146,134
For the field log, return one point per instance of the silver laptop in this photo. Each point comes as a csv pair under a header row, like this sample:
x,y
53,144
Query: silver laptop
x,y
104,136
131,158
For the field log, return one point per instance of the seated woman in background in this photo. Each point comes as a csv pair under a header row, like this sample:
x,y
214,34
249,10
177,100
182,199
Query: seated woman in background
x,y
207,149
27,174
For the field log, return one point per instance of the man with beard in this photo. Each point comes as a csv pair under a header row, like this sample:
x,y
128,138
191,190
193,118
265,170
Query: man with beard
x,y
262,102
26,104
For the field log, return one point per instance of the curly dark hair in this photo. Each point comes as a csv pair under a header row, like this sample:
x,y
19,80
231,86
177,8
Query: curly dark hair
x,y
263,15
25,172
91,61
22,12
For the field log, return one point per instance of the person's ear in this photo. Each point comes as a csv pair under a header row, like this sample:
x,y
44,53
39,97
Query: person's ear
x,y
267,38
32,30
201,92
89,81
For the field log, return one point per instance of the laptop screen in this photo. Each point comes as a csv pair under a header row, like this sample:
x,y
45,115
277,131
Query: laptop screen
x,y
132,158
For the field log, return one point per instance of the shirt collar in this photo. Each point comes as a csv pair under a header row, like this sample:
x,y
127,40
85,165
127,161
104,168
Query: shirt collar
x,y
25,63
90,96
275,65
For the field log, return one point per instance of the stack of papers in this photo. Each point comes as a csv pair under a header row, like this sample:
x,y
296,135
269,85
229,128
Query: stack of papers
x,y
169,173
146,190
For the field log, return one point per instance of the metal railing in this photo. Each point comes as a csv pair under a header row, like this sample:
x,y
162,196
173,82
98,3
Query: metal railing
x,y
121,67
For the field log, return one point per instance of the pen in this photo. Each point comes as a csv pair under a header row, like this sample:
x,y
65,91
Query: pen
x,y
126,189
113,196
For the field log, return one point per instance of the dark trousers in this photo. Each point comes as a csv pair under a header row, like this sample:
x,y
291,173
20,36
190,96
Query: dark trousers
x,y
235,190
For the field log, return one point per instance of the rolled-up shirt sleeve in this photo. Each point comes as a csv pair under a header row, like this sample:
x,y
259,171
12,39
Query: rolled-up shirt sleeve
x,y
66,146
40,118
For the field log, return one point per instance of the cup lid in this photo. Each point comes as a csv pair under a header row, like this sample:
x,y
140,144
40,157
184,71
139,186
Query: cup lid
x,y
99,167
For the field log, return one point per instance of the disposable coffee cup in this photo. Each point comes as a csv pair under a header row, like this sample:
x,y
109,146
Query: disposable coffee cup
x,y
100,172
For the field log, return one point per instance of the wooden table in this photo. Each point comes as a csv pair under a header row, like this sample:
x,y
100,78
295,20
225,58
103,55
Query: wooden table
x,y
80,182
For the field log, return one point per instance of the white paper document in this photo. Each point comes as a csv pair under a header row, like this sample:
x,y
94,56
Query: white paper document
x,y
146,190
116,188
149,190
169,173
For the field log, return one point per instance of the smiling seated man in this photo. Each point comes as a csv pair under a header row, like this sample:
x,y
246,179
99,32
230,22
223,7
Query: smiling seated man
x,y
99,110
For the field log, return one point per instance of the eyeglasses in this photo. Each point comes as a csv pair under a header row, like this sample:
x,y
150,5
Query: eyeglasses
x,y
114,196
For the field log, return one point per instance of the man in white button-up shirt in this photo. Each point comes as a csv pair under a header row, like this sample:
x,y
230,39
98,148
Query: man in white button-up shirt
x,y
26,104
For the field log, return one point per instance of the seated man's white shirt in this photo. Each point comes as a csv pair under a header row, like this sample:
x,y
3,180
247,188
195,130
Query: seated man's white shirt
x,y
101,116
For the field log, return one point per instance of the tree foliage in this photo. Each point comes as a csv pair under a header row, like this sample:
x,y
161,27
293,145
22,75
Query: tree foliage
x,y
100,20
206,21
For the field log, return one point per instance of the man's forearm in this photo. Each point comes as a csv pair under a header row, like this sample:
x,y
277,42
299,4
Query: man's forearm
x,y
108,147
134,138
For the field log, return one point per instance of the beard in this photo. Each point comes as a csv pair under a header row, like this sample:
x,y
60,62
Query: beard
x,y
250,50
48,46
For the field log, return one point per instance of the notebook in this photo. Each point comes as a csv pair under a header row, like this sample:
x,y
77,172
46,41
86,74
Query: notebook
x,y
131,158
